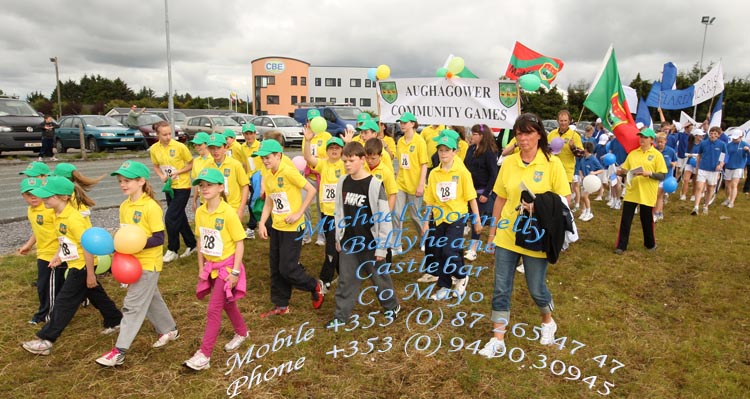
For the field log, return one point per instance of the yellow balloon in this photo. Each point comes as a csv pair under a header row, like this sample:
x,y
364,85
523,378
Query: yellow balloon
x,y
130,239
383,72
456,65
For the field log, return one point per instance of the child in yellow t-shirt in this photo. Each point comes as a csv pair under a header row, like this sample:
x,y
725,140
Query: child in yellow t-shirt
x,y
411,152
200,162
220,269
283,212
143,299
252,166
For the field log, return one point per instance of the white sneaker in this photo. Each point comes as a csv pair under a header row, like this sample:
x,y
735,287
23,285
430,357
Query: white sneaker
x,y
323,287
521,269
683,197
235,342
493,348
582,215
166,338
459,288
725,202
427,278
548,333
618,205
470,255
442,294
110,330
588,216
38,347
398,250
188,252
730,205
250,234
199,361
169,256
306,241
321,242
598,198
112,358
692,198
610,203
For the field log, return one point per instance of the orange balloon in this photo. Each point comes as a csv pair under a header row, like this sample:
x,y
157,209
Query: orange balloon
x,y
449,74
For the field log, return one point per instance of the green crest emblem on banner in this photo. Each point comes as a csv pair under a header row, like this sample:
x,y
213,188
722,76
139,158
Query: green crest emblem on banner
x,y
508,94
388,91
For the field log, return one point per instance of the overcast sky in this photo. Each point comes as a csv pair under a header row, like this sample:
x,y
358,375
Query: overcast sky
x,y
214,41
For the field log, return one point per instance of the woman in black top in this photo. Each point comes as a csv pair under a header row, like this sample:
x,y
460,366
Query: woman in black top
x,y
481,160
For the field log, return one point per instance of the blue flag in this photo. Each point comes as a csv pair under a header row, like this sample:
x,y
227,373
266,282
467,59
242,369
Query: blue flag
x,y
643,115
669,77
716,112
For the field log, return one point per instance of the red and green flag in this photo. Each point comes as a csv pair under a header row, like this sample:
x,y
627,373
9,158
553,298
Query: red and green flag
x,y
607,100
525,61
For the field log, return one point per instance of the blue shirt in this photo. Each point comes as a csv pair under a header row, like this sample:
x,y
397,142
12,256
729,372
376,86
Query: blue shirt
x,y
670,155
616,148
709,152
736,155
672,141
590,164
682,144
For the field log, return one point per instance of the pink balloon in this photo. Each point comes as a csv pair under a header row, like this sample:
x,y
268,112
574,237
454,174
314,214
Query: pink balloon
x,y
300,163
126,268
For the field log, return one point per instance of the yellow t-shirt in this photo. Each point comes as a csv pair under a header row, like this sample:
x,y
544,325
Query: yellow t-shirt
x,y
284,190
389,146
566,155
643,190
318,144
285,160
329,176
252,164
463,147
42,221
539,176
235,151
171,158
450,190
411,156
384,172
234,179
82,208
218,231
428,133
147,214
70,225
200,163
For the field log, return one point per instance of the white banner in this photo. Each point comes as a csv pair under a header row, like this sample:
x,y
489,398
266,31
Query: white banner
x,y
454,101
710,85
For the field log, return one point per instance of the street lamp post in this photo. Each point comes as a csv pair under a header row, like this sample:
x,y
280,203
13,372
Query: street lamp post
x,y
170,99
705,20
57,77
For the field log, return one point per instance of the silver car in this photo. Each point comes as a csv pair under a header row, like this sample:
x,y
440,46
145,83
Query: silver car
x,y
292,132
212,124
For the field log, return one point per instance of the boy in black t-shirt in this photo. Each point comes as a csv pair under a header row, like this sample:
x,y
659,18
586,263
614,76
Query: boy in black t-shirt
x,y
360,213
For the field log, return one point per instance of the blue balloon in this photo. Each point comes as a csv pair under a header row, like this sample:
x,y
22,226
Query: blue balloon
x,y
670,185
371,74
97,241
691,161
609,159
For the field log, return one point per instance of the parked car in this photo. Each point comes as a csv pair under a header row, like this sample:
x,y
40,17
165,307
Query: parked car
x,y
99,132
337,116
241,118
581,127
291,129
179,117
20,125
145,125
550,125
212,124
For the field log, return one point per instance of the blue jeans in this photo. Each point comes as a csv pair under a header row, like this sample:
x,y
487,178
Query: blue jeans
x,y
505,271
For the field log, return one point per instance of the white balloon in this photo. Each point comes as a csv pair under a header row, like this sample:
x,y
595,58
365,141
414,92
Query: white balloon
x,y
591,184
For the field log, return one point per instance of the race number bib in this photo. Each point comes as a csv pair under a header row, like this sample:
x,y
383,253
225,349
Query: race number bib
x,y
280,203
329,193
446,191
68,249
405,161
167,170
314,150
211,243
250,164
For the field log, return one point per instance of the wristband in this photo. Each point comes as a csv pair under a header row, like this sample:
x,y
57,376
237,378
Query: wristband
x,y
235,273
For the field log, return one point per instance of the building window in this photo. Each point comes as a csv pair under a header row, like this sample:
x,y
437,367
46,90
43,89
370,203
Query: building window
x,y
333,100
355,82
317,82
294,101
271,80
304,100
303,82
294,81
364,102
338,82
319,99
368,83
330,82
272,100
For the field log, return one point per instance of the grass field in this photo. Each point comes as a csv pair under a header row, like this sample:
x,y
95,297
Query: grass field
x,y
669,324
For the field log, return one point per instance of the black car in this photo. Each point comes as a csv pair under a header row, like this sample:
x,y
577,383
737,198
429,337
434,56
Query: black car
x,y
20,126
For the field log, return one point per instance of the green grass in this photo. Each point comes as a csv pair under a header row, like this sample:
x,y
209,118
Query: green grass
x,y
676,319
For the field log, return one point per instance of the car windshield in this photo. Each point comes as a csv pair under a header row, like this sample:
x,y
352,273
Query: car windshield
x,y
16,108
224,121
148,119
285,122
100,121
347,113
179,116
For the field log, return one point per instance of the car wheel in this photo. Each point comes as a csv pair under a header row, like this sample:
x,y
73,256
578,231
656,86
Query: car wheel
x,y
60,147
93,145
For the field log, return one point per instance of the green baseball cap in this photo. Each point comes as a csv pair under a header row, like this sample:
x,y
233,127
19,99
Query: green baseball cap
x,y
35,169
209,175
268,147
64,169
363,117
248,127
312,113
369,125
216,140
407,117
446,140
200,138
648,132
335,140
29,184
230,133
447,132
132,170
54,185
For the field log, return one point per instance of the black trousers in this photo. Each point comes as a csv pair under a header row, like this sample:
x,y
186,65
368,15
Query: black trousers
x,y
647,223
331,261
49,282
746,186
286,271
68,301
176,221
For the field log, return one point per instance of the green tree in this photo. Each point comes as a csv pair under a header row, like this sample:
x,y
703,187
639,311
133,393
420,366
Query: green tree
x,y
544,103
642,87
576,97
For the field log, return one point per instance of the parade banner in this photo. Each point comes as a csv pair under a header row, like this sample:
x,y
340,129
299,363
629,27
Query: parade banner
x,y
450,101
710,85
